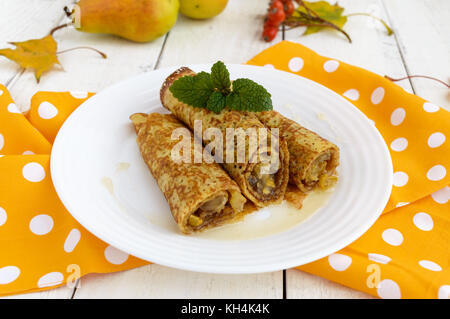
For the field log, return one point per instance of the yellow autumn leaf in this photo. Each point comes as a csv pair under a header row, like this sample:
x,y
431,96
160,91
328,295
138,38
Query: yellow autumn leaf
x,y
36,54
329,12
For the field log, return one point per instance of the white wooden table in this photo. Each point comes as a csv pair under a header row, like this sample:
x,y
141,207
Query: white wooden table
x,y
421,45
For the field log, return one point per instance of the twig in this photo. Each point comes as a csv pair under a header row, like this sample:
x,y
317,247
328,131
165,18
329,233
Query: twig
x,y
417,76
104,56
389,30
67,11
312,19
59,27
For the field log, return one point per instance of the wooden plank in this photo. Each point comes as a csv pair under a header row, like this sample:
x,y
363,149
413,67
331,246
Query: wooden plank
x,y
85,70
20,21
62,292
371,47
373,50
302,285
24,20
155,281
423,31
234,36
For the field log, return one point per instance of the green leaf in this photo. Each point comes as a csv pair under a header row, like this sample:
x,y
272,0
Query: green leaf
x,y
183,90
326,11
216,102
193,90
213,92
248,95
220,77
203,86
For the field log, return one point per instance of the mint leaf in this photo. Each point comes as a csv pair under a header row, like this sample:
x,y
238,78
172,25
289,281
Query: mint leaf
x,y
193,90
183,90
203,87
216,102
248,95
220,77
213,92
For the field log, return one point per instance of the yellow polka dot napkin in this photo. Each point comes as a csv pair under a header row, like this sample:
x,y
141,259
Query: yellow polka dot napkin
x,y
41,245
405,254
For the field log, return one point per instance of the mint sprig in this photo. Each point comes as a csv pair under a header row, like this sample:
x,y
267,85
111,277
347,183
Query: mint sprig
x,y
215,92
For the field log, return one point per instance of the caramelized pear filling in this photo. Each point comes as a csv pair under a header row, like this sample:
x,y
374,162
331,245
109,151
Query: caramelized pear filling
x,y
195,221
326,181
261,182
216,204
216,209
318,173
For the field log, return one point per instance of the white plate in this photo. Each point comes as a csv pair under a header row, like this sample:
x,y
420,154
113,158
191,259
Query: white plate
x,y
134,216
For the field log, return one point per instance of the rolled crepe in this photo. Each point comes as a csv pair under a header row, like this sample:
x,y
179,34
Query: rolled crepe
x,y
312,159
200,195
260,185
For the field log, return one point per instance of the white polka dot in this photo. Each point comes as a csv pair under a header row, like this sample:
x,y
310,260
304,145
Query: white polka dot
x,y
431,108
430,265
392,237
8,274
295,64
79,94
339,262
28,153
72,240
33,172
3,216
12,108
47,110
115,256
50,279
398,116
436,140
400,179
400,204
444,292
331,66
41,224
2,141
381,259
377,95
388,289
269,66
351,94
1,92
399,144
441,196
436,173
423,221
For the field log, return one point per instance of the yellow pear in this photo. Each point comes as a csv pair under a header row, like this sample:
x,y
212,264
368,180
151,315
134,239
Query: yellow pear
x,y
135,20
202,9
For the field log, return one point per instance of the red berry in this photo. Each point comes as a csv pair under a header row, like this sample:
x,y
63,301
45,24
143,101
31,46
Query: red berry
x,y
276,16
289,8
269,33
277,4
269,24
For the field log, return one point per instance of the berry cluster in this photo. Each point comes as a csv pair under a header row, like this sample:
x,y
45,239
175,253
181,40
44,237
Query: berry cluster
x,y
278,11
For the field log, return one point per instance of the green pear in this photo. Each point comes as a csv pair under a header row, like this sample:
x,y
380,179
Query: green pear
x,y
135,20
